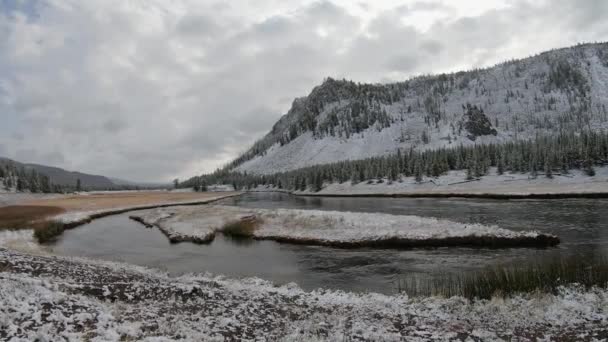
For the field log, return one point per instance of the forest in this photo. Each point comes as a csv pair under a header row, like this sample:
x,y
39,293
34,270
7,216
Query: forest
x,y
545,155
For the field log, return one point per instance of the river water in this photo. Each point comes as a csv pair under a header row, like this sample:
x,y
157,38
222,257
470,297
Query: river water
x,y
582,225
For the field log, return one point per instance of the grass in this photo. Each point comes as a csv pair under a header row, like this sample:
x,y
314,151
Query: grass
x,y
509,280
25,216
48,230
242,228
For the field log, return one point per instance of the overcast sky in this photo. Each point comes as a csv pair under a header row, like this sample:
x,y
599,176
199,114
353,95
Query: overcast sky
x,y
150,90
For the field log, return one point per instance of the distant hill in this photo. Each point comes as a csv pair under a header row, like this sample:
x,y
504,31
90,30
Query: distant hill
x,y
63,177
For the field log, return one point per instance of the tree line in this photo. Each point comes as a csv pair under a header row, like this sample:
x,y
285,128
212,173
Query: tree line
x,y
20,179
544,155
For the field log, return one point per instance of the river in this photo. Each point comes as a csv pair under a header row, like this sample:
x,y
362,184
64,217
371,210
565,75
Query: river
x,y
582,225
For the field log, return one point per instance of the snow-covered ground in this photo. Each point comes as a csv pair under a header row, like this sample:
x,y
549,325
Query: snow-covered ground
x,y
515,184
335,228
55,298
11,198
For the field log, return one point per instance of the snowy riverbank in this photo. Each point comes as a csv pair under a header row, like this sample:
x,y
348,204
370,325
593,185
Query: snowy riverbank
x,y
454,184
334,228
52,298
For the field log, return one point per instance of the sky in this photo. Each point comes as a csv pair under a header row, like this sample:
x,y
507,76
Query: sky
x,y
151,90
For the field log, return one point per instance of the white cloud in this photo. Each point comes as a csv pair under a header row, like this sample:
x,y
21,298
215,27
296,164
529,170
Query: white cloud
x,y
150,90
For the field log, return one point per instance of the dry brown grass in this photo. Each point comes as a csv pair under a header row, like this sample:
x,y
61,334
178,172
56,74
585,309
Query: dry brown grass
x,y
242,228
26,216
124,199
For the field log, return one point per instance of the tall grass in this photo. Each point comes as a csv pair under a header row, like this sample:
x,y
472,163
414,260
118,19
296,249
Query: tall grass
x,y
25,216
508,280
48,230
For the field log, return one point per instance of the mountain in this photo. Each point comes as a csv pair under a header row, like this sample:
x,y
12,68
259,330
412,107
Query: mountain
x,y
62,177
558,91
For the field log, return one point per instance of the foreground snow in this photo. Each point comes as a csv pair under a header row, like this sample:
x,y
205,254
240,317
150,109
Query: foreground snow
x,y
335,228
51,298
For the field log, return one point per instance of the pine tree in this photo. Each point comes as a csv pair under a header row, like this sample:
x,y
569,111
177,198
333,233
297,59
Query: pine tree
x,y
500,167
589,170
318,183
418,171
548,170
78,185
470,172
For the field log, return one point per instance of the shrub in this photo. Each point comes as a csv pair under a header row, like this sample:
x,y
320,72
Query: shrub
x,y
48,230
242,228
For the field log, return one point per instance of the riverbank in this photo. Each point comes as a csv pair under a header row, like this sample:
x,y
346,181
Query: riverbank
x,y
574,184
56,298
332,228
74,210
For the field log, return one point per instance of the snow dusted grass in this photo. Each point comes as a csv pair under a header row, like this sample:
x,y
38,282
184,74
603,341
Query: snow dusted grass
x,y
50,298
334,228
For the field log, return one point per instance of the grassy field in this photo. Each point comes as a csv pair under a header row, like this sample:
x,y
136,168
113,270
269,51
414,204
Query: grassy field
x,y
26,216
38,213
102,201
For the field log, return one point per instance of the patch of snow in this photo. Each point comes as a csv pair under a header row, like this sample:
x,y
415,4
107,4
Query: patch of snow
x,y
325,227
22,240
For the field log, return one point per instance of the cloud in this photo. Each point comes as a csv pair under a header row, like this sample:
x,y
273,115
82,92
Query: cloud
x,y
155,90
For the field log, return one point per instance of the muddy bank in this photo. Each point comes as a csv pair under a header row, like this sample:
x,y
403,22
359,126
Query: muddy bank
x,y
539,241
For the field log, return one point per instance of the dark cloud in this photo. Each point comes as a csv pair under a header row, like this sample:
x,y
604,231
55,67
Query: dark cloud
x,y
404,63
36,156
154,90
197,25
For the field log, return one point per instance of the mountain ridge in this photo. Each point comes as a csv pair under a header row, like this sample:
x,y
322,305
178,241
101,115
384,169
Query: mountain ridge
x,y
62,177
559,90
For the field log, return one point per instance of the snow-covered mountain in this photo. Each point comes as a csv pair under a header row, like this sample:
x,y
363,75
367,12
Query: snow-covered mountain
x,y
559,90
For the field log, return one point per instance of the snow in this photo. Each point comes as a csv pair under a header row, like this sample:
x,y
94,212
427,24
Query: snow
x,y
22,240
454,183
320,227
11,198
521,117
60,298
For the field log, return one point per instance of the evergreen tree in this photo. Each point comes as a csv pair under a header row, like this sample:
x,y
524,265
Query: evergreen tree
x,y
418,172
548,170
589,170
500,167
